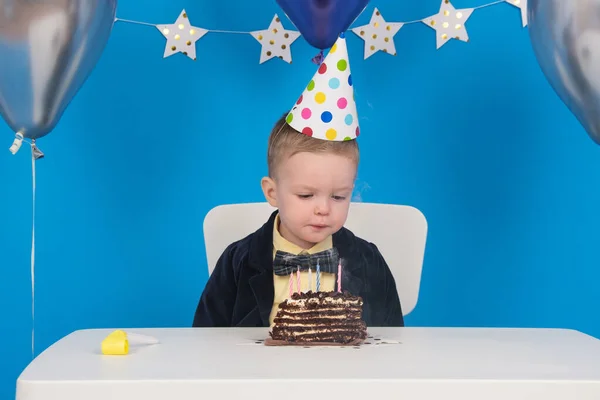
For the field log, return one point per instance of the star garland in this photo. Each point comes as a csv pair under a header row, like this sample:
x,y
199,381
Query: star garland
x,y
378,35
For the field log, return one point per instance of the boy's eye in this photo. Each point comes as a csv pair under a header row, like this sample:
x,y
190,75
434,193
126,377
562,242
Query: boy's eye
x,y
305,196
340,198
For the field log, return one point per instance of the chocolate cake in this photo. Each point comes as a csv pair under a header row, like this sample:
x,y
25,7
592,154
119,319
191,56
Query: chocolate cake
x,y
320,317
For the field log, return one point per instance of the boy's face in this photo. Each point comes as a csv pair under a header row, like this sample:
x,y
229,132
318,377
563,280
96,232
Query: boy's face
x,y
312,192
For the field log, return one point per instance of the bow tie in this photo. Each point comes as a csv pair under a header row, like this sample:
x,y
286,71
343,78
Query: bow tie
x,y
287,263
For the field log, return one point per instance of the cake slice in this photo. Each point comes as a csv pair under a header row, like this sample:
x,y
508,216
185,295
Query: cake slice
x,y
320,317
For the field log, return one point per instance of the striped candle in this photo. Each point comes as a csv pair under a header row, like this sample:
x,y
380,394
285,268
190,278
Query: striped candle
x,y
298,279
318,276
291,284
309,280
339,280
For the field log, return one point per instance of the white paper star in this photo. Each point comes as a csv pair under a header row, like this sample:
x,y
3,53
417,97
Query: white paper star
x,y
275,41
378,35
181,37
449,23
522,4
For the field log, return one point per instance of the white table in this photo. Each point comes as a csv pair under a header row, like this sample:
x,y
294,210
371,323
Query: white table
x,y
429,363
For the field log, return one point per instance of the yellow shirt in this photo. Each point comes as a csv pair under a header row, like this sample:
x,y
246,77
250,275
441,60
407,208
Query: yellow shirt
x,y
281,284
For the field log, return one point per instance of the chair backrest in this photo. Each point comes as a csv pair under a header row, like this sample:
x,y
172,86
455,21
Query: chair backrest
x,y
399,231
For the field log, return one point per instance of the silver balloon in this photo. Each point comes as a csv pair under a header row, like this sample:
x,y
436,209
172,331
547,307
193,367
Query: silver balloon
x,y
48,48
565,35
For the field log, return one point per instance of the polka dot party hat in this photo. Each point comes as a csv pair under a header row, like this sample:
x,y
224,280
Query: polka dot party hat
x,y
326,110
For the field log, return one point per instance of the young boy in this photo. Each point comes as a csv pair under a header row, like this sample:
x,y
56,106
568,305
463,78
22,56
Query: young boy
x,y
310,182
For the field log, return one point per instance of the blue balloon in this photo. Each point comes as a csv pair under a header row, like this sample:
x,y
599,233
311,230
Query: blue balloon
x,y
322,21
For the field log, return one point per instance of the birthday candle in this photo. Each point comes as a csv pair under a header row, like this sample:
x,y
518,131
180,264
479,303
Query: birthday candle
x,y
339,282
291,283
318,276
309,279
298,278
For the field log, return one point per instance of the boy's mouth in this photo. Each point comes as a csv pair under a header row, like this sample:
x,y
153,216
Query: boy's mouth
x,y
318,226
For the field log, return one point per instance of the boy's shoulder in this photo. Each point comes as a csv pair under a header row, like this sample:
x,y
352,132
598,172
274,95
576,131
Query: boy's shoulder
x,y
250,248
240,248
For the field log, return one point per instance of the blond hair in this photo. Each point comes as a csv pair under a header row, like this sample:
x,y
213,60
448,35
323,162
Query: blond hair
x,y
285,141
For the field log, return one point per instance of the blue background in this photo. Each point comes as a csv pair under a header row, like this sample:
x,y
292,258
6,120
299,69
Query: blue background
x,y
471,134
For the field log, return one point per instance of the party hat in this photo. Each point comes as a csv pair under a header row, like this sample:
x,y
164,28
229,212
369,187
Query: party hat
x,y
327,110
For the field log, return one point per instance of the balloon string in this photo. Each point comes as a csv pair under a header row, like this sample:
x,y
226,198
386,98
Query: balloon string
x,y
33,158
35,155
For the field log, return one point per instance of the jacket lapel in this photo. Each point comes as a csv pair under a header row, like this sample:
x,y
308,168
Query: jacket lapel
x,y
260,261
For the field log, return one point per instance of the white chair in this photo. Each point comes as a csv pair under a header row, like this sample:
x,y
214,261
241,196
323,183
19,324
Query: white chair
x,y
399,231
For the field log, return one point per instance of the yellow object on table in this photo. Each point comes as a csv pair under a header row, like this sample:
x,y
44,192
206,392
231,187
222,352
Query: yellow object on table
x,y
116,344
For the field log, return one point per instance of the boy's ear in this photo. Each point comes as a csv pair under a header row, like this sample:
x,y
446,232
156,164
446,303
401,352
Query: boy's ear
x,y
268,188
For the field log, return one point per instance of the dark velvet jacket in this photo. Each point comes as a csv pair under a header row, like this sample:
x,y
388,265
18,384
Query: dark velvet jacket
x,y
239,292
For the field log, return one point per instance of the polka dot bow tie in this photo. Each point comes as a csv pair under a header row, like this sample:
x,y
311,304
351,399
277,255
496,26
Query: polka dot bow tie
x,y
287,263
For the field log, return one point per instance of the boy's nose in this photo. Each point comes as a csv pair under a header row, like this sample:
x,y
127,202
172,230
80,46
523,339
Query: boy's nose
x,y
322,207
